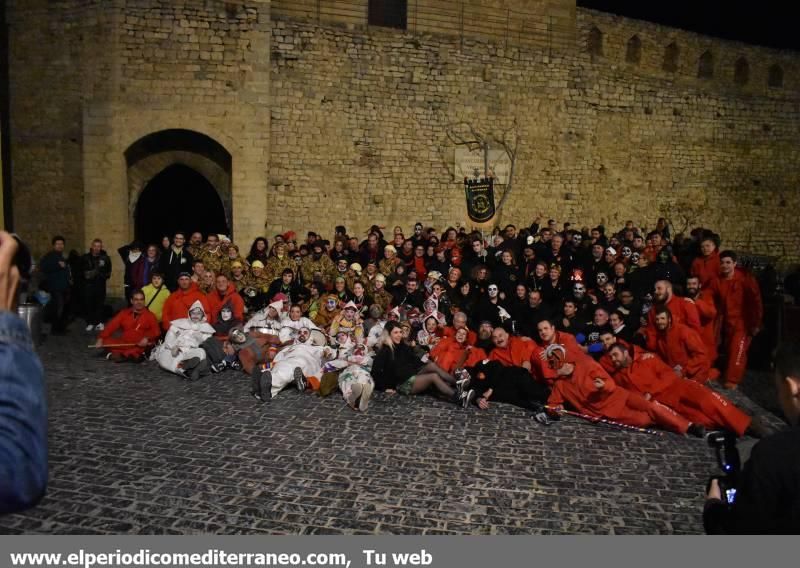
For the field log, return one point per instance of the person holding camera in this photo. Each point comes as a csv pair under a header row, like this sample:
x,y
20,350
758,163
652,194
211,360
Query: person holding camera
x,y
765,496
23,409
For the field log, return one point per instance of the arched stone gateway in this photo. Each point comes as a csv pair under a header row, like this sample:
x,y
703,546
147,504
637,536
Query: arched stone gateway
x,y
178,180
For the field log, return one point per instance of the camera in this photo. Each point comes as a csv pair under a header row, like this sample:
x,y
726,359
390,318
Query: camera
x,y
724,444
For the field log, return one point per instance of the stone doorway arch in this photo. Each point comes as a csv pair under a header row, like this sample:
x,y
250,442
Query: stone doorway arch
x,y
155,153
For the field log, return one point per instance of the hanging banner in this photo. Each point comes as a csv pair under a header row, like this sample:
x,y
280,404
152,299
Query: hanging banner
x,y
480,199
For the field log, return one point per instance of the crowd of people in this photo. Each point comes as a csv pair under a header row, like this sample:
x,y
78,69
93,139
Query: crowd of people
x,y
626,326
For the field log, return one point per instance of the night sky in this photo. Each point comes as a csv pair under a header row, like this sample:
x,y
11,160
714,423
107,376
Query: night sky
x,y
769,23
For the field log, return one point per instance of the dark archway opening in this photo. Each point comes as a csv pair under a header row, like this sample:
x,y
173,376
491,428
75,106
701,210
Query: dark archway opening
x,y
178,199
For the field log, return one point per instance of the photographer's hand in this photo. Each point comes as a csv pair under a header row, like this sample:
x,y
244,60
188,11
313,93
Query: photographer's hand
x,y
9,274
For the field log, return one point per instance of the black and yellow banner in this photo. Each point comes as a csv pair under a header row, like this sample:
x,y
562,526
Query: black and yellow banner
x,y
480,199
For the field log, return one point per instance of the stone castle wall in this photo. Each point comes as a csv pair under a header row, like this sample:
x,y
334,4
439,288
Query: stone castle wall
x,y
361,120
332,121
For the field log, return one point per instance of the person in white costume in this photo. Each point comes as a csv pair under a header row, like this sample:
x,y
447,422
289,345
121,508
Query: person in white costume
x,y
183,341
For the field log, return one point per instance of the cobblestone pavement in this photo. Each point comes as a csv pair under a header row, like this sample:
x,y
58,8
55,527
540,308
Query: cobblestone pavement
x,y
136,450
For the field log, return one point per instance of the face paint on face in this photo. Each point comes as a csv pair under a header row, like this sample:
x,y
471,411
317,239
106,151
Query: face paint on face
x,y
492,290
225,314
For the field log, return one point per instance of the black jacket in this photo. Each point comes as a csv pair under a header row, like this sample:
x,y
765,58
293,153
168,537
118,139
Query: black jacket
x,y
393,367
768,496
95,270
172,264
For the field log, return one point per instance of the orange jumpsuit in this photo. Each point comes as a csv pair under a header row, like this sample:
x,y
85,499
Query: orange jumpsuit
x,y
519,351
472,337
178,304
448,352
681,345
706,268
682,310
134,328
707,310
539,365
742,312
647,374
217,301
612,401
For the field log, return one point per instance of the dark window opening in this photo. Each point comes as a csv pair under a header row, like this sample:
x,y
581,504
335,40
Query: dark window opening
x,y
634,51
671,53
388,13
741,74
594,43
705,66
775,78
178,199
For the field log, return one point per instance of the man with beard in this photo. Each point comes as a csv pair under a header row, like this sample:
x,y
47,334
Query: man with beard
x,y
485,332
741,311
538,278
680,347
646,374
317,262
705,303
683,310
630,309
535,311
287,286
596,263
195,246
212,254
583,384
175,261
409,295
549,335
460,322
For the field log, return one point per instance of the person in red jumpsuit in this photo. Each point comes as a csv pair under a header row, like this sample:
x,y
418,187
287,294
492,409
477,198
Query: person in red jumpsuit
x,y
683,310
585,386
459,322
680,347
512,351
549,335
706,303
135,325
455,352
706,267
179,302
741,311
648,375
224,293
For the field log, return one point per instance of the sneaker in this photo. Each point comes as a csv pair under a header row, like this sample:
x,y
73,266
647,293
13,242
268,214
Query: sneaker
x,y
99,327
108,356
265,385
366,393
235,365
89,327
467,398
299,379
696,430
541,417
462,385
218,367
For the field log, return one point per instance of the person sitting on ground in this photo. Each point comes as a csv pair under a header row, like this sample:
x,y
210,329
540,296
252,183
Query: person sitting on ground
x,y
355,380
180,353
299,363
584,385
491,380
646,374
294,322
133,329
397,369
455,352
267,321
681,348
348,321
